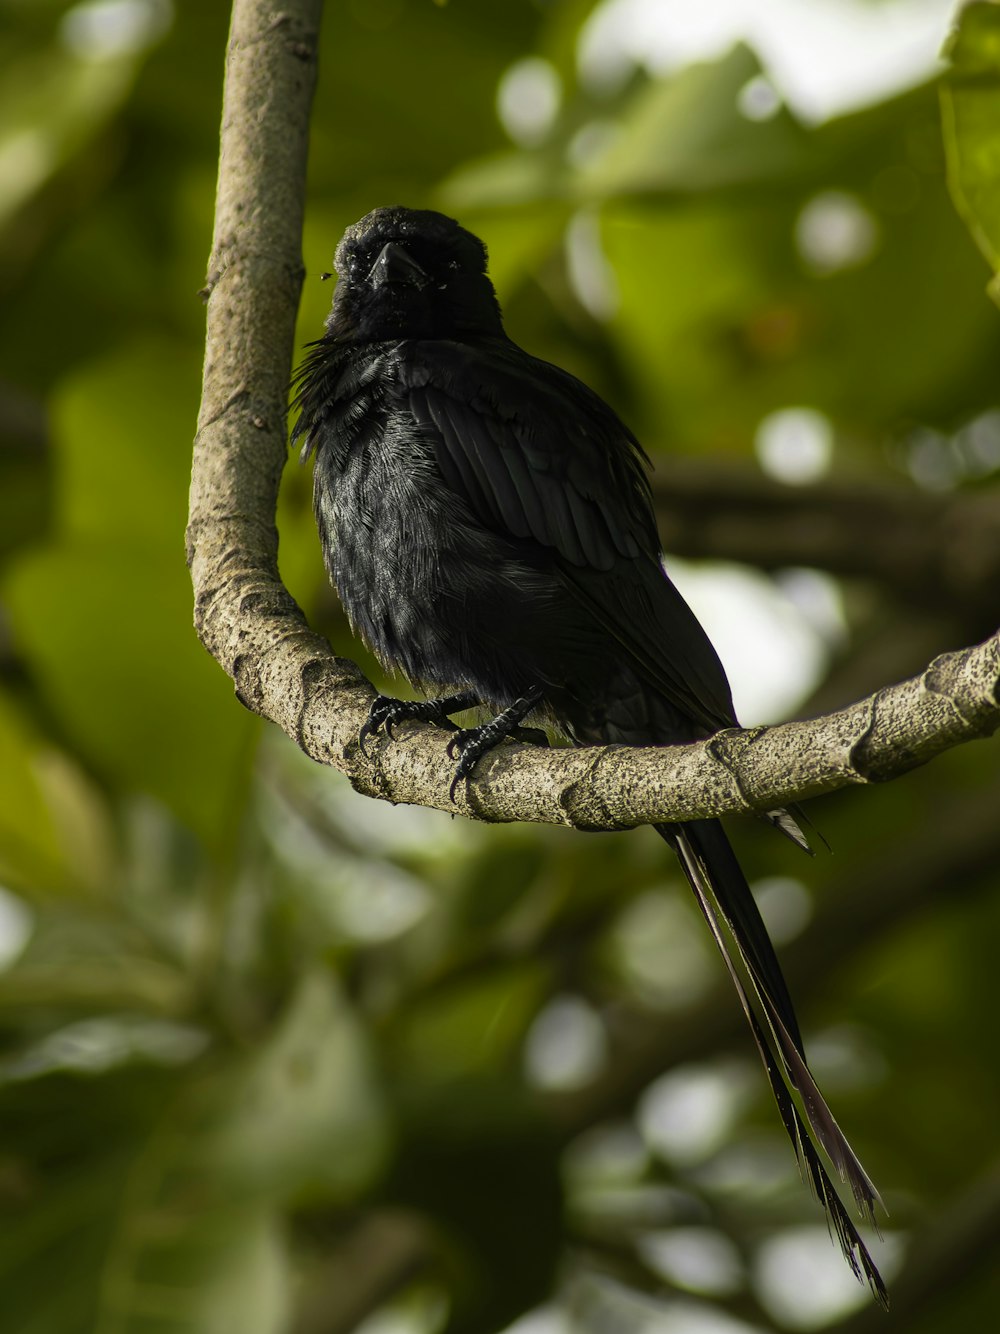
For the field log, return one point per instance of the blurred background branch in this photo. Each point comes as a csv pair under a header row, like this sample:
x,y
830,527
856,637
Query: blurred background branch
x,y
934,553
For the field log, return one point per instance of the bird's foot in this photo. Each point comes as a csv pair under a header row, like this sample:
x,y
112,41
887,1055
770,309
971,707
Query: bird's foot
x,y
470,743
386,712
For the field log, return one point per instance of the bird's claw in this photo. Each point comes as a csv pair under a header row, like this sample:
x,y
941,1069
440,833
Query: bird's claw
x,y
470,743
467,744
386,712
382,714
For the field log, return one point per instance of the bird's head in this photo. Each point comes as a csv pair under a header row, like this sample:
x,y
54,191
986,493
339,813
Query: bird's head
x,y
411,273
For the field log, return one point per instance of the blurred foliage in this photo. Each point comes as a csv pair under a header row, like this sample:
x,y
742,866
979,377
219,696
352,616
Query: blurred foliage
x,y
970,100
275,1058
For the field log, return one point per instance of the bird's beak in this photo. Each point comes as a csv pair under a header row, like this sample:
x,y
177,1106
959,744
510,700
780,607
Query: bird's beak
x,y
394,265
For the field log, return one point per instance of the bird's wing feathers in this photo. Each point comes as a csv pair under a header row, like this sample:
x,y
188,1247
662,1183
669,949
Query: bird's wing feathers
x,y
664,641
561,470
542,469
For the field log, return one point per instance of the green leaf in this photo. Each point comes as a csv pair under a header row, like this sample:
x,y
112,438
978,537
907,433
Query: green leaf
x,y
970,98
686,134
52,103
121,430
77,965
472,1028
302,1116
672,137
108,631
721,320
431,104
29,851
225,1270
110,1231
158,1205
103,613
55,835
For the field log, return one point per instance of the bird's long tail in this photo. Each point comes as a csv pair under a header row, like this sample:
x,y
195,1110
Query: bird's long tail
x,y
724,897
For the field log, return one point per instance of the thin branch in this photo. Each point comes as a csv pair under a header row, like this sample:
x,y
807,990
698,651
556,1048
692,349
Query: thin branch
x,y
933,551
285,672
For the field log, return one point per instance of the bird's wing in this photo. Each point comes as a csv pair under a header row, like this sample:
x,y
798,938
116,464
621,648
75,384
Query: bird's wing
x,y
541,458
537,453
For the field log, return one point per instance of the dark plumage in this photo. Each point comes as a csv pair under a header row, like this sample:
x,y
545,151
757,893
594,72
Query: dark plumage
x,y
487,521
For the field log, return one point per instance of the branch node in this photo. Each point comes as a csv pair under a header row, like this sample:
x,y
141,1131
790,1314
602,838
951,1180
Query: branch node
x,y
582,800
860,753
239,393
729,749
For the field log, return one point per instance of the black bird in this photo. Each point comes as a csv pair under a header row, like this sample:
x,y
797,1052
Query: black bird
x,y
488,524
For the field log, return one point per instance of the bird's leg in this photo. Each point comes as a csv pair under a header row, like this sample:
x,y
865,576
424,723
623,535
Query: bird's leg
x,y
385,712
472,742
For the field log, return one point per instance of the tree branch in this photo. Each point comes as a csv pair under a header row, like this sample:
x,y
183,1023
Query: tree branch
x,y
254,281
938,551
286,673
